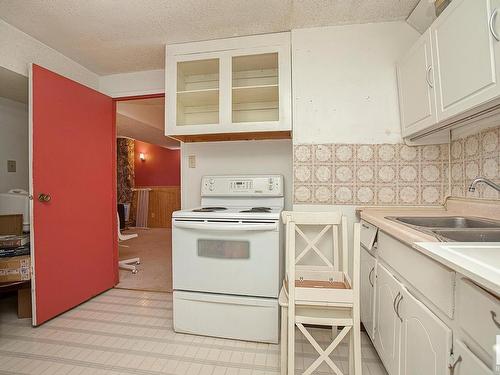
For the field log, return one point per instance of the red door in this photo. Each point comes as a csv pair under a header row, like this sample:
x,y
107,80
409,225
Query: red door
x,y
74,235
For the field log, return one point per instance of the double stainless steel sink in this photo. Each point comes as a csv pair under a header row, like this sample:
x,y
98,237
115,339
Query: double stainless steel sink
x,y
454,228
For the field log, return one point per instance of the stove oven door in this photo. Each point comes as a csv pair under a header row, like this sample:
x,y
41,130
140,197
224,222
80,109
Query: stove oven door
x,y
226,256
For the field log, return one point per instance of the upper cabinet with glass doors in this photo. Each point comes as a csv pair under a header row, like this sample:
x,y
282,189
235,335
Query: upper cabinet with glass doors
x,y
229,89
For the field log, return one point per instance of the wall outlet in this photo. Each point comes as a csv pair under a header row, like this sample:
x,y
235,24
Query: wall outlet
x,y
11,165
192,161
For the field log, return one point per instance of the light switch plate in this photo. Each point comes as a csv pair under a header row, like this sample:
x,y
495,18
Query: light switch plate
x,y
11,165
192,161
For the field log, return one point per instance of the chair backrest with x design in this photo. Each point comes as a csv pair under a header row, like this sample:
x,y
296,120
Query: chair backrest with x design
x,y
332,223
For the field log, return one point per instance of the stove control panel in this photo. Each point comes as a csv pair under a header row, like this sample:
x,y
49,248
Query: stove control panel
x,y
256,185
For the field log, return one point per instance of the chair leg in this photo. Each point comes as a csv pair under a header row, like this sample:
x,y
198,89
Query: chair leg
x,y
351,353
284,339
129,264
357,348
291,341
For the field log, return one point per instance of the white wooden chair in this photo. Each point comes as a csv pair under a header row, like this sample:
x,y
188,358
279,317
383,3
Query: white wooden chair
x,y
127,264
322,295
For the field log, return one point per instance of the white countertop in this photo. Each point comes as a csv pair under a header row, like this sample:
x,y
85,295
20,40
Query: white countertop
x,y
462,257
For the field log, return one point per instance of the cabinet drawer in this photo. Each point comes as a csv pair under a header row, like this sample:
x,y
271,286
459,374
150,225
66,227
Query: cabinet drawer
x,y
468,364
368,235
433,280
478,315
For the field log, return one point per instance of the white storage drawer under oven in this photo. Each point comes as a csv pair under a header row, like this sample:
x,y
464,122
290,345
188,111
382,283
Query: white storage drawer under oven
x,y
246,253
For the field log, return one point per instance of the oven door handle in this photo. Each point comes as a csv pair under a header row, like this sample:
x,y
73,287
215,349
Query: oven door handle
x,y
226,227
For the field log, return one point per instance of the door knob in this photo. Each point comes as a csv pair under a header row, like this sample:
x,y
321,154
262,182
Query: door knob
x,y
44,197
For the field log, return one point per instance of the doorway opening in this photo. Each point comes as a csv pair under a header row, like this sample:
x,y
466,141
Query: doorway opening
x,y
148,191
15,283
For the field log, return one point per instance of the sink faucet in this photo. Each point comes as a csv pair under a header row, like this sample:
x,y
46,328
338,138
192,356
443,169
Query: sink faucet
x,y
472,186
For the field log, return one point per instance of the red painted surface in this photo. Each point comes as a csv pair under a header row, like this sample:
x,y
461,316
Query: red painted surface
x,y
75,244
161,168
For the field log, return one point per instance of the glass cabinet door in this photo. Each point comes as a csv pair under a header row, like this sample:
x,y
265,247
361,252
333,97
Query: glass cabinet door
x,y
255,88
198,92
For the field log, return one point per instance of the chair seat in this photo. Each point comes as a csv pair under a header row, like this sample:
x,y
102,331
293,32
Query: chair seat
x,y
283,302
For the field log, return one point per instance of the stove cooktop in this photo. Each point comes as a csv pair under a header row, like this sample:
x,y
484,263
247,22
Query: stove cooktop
x,y
229,212
209,209
257,210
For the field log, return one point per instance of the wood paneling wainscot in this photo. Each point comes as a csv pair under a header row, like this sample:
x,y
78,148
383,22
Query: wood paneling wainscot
x,y
163,200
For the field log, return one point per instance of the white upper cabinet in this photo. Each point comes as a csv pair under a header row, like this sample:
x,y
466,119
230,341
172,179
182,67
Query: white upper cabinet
x,y
417,100
237,88
466,53
452,73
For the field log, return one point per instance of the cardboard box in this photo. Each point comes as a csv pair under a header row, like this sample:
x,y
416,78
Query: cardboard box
x,y
15,269
11,224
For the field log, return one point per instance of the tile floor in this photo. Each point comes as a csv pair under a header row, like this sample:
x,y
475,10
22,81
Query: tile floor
x,y
130,332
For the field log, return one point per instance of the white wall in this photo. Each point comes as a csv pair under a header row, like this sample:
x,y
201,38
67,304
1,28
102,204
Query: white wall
x,y
344,82
241,157
13,144
132,84
18,50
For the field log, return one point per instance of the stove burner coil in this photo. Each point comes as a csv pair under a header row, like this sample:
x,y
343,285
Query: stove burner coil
x,y
209,209
258,209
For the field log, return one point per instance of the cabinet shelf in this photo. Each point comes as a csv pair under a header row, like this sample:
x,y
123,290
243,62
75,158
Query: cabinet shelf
x,y
255,70
255,103
198,97
196,107
255,94
198,75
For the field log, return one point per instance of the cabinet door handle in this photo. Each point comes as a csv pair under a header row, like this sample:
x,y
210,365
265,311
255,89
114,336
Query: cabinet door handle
x,y
494,318
451,366
365,226
492,24
397,308
370,276
427,76
394,302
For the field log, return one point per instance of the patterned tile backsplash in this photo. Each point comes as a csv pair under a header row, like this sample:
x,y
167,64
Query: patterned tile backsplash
x,y
370,174
395,174
475,155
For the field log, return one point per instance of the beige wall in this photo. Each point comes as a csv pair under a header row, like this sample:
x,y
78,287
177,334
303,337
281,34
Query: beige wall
x,y
344,82
227,158
13,144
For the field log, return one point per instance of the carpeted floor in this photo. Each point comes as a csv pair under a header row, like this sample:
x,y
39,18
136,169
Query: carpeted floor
x,y
154,248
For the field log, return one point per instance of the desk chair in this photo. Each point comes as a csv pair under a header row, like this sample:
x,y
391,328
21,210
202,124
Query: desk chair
x,y
127,264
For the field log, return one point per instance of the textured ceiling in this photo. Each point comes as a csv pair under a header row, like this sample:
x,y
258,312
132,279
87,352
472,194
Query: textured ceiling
x,y
118,36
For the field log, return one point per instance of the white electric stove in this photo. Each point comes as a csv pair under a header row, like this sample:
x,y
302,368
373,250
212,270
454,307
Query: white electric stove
x,y
227,259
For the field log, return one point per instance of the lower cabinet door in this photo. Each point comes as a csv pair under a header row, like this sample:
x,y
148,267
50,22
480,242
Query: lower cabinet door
x,y
367,293
466,363
425,339
387,336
